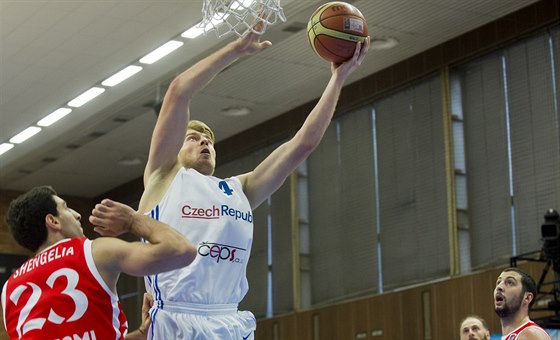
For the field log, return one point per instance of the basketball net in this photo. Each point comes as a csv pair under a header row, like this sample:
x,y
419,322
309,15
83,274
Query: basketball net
x,y
240,16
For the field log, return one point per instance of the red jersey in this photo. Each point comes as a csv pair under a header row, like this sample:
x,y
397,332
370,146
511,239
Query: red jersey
x,y
529,324
59,294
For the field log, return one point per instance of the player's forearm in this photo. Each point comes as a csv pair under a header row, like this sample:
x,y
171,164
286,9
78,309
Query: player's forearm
x,y
320,117
200,74
308,137
167,243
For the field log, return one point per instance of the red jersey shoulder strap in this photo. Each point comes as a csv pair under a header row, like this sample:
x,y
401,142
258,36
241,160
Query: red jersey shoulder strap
x,y
513,335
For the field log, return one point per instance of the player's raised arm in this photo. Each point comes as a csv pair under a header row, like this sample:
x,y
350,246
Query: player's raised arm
x,y
171,125
272,172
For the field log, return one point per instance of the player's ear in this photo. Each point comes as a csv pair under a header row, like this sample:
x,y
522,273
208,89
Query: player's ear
x,y
52,222
529,297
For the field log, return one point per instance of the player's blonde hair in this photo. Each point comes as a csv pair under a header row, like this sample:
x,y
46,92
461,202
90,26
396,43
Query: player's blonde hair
x,y
201,127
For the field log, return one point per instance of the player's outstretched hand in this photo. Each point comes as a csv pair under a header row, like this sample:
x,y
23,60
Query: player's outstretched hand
x,y
111,218
249,42
344,69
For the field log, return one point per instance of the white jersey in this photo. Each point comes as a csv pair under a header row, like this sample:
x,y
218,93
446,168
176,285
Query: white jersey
x,y
215,215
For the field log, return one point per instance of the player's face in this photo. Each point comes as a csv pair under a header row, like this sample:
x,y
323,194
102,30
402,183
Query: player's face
x,y
69,219
508,294
198,152
472,329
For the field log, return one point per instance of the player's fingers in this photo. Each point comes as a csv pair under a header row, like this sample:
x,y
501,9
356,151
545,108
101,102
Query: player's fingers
x,y
364,46
364,49
148,301
266,44
108,203
100,209
100,230
357,51
95,220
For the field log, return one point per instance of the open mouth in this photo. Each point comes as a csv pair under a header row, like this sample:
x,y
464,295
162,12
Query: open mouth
x,y
498,299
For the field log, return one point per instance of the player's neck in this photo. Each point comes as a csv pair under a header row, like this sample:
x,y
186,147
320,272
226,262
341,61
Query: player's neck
x,y
51,239
511,323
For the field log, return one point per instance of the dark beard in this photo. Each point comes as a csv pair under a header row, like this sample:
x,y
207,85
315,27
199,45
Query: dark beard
x,y
507,310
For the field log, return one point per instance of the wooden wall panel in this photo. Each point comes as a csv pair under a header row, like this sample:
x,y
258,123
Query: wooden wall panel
x,y
401,315
286,328
385,315
451,302
265,329
353,319
412,314
328,323
304,325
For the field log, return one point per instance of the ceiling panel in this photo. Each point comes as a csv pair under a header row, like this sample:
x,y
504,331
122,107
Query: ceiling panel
x,y
51,51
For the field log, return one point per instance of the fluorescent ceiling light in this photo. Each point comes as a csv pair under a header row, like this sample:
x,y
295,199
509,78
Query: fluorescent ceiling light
x,y
54,117
383,43
201,27
86,96
130,160
236,111
121,75
161,51
5,147
25,135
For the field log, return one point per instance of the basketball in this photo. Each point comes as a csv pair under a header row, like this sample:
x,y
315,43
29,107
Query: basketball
x,y
334,29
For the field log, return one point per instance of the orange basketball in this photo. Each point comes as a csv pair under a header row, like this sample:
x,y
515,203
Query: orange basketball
x,y
334,29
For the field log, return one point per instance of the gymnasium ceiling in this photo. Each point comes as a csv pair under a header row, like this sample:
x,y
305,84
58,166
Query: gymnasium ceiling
x,y
53,50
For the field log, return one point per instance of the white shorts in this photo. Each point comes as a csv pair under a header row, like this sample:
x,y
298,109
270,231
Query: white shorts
x,y
200,322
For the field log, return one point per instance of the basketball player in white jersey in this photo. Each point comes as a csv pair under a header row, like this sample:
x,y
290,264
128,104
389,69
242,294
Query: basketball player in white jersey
x,y
67,290
200,301
514,295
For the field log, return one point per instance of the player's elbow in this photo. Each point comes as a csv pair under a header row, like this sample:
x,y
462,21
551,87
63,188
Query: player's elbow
x,y
189,254
306,142
183,253
179,90
305,148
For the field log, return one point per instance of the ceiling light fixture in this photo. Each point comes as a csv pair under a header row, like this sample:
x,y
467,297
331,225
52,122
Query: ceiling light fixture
x,y
4,147
25,135
86,96
122,75
130,160
54,117
161,52
198,29
235,111
383,43
93,92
